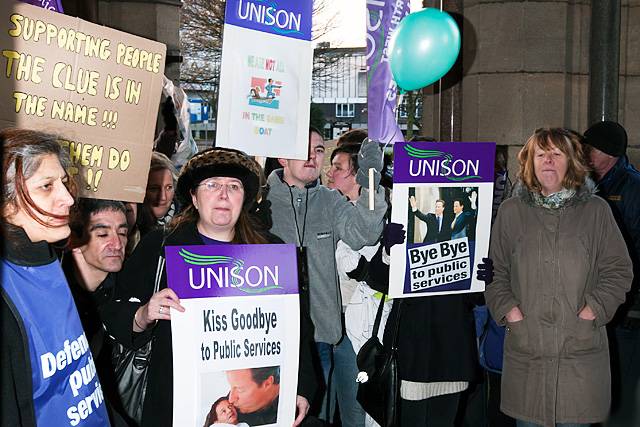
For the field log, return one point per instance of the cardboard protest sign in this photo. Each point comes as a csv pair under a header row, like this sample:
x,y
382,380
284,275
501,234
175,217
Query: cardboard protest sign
x,y
442,193
98,88
240,330
265,78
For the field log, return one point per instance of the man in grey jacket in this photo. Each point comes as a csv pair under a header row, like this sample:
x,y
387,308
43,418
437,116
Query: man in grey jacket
x,y
314,217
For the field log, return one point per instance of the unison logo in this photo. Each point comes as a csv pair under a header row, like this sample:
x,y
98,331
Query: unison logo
x,y
439,163
266,12
207,271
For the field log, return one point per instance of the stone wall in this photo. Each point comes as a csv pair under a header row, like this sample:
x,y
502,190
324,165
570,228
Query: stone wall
x,y
525,65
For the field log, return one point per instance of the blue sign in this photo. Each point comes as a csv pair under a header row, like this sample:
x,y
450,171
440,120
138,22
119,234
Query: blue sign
x,y
198,110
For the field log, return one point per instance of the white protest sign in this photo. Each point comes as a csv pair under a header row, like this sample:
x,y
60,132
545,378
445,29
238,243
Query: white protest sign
x,y
235,348
265,78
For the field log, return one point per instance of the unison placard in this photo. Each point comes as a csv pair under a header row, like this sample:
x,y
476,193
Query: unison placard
x,y
443,195
237,342
265,78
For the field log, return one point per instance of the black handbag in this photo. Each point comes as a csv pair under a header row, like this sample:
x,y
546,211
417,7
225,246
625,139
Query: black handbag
x,y
131,377
131,368
379,391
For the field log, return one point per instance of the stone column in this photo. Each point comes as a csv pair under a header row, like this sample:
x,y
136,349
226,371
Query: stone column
x,y
604,60
442,101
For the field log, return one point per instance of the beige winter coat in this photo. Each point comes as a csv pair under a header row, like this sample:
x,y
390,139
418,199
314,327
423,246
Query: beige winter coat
x,y
551,263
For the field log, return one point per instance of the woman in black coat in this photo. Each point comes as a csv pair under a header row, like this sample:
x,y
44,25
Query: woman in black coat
x,y
216,188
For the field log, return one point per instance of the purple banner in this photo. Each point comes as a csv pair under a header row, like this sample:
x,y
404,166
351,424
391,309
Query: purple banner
x,y
383,16
232,270
54,5
443,162
288,18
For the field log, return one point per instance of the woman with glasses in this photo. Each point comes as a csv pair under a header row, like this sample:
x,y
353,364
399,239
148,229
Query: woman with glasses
x,y
217,189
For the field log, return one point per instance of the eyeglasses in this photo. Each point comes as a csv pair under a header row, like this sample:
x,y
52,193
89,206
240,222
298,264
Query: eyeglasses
x,y
216,187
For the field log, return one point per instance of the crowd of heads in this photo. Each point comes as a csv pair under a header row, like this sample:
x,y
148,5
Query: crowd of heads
x,y
222,188
551,158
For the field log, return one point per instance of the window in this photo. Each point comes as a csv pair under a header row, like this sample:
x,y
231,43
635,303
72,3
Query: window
x,y
402,108
345,110
362,84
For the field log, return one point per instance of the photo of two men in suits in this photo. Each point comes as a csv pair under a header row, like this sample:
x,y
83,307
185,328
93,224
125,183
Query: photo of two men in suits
x,y
450,214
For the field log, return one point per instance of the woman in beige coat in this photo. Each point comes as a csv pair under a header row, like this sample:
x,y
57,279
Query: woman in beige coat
x,y
561,270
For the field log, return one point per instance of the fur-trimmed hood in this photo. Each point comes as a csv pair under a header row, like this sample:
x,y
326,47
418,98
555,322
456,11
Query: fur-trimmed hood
x,y
583,193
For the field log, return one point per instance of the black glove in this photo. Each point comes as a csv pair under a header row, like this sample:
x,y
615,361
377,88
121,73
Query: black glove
x,y
393,234
262,212
370,156
485,271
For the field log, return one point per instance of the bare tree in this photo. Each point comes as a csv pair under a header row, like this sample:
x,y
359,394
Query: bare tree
x,y
411,99
201,27
201,33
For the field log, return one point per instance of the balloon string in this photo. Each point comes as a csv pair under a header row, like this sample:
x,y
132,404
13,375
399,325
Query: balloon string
x,y
398,105
440,96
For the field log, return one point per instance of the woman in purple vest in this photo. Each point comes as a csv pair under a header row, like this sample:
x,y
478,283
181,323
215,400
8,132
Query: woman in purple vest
x,y
47,373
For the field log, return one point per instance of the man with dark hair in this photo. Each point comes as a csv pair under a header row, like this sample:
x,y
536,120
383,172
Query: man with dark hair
x,y
98,231
464,220
270,88
618,182
353,136
314,218
342,173
437,229
255,393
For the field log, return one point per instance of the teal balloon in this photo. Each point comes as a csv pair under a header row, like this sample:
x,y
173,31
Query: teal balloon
x,y
423,48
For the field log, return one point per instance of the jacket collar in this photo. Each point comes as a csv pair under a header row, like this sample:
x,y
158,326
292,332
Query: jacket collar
x,y
185,234
20,250
616,172
583,193
276,180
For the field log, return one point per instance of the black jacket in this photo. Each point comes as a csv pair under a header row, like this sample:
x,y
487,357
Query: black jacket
x,y
620,187
88,305
137,280
436,338
436,335
433,235
16,389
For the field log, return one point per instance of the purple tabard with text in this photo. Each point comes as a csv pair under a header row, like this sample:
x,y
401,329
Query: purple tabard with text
x,y
232,270
288,18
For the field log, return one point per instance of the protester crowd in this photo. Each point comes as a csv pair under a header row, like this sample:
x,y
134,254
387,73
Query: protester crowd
x,y
554,339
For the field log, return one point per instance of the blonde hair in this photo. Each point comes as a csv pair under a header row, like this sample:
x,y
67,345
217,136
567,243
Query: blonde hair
x,y
160,162
567,141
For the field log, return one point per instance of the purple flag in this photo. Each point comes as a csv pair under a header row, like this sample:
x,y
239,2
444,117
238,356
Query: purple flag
x,y
383,16
54,5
